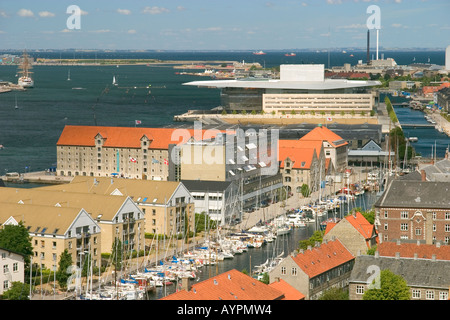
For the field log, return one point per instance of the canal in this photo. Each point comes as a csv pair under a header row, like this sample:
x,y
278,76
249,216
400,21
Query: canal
x,y
429,139
283,245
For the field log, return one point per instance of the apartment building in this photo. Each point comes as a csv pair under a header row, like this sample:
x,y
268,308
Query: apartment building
x,y
248,158
129,152
317,269
414,210
12,269
53,229
118,216
415,271
335,147
166,205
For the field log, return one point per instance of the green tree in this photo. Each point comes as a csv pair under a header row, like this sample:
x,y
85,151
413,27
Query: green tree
x,y
18,291
335,294
224,112
65,262
316,237
305,190
265,278
117,254
390,287
16,238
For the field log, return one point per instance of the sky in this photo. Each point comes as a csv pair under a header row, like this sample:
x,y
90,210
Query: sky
x,y
221,25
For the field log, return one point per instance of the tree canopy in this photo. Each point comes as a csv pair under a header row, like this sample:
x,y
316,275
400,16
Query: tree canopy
x,y
17,239
391,287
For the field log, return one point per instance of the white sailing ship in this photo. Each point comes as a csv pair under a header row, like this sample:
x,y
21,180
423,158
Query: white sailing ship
x,y
25,79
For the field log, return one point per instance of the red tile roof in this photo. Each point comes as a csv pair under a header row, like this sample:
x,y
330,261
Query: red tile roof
x,y
301,158
290,293
359,222
124,137
323,258
407,250
324,134
230,285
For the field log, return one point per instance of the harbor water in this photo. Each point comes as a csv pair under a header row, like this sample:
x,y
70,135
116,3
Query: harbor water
x,y
29,132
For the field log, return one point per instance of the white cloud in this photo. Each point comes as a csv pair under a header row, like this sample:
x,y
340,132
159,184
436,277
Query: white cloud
x,y
3,14
25,13
83,13
210,29
181,8
66,30
131,31
124,11
46,14
155,10
100,31
397,25
353,26
2,31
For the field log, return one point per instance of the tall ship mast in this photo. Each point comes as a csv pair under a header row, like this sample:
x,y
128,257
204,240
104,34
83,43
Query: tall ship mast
x,y
25,79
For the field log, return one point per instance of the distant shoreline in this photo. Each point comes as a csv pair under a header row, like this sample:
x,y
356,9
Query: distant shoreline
x,y
119,62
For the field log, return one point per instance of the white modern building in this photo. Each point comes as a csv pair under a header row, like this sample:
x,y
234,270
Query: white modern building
x,y
290,92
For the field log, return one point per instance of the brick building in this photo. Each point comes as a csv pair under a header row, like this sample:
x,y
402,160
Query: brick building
x,y
414,210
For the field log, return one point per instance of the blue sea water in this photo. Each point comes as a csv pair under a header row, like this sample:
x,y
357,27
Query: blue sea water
x,y
29,133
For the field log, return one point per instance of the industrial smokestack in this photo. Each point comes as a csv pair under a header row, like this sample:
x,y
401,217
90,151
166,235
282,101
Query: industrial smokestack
x,y
368,47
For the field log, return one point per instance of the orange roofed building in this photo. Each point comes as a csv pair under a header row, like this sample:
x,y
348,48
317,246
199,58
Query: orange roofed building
x,y
335,147
301,162
235,285
317,269
354,231
130,152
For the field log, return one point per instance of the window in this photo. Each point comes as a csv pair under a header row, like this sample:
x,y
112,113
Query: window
x,y
418,231
294,271
447,228
5,268
443,295
359,289
385,226
5,285
15,267
416,294
447,216
430,295
283,270
404,227
385,214
404,214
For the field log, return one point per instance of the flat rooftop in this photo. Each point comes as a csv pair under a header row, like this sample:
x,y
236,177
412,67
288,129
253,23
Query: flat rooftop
x,y
294,77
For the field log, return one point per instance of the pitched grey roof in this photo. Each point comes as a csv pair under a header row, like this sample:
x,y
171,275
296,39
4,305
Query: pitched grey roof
x,y
417,273
416,194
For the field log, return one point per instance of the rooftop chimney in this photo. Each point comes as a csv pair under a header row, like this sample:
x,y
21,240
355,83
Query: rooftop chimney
x,y
424,175
397,255
433,257
416,256
185,283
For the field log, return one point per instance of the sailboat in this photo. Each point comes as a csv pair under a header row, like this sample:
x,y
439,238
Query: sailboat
x,y
25,79
16,106
114,82
68,75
